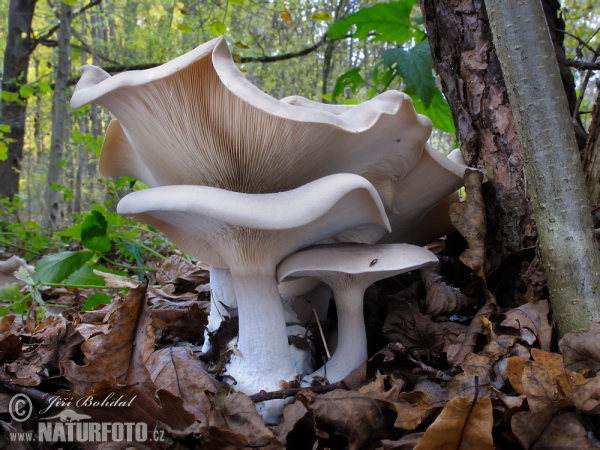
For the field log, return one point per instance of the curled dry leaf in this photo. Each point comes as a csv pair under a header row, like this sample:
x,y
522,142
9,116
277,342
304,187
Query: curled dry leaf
x,y
56,340
412,408
182,274
442,299
564,431
468,218
360,418
185,321
121,352
178,371
582,349
404,323
534,277
461,424
533,318
234,421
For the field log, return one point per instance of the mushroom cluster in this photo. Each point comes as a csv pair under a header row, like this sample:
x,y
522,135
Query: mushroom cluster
x,y
241,180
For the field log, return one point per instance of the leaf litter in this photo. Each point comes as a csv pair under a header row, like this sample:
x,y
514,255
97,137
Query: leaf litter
x,y
449,366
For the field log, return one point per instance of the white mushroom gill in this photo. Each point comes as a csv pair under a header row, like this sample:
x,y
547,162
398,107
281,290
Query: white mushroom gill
x,y
196,120
250,234
349,270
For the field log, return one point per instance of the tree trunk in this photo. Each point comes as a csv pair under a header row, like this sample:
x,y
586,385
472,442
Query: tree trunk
x,y
60,112
472,82
16,63
566,239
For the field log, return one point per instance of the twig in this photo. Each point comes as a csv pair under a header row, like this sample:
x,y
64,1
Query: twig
x,y
37,396
285,393
583,65
399,349
584,86
322,335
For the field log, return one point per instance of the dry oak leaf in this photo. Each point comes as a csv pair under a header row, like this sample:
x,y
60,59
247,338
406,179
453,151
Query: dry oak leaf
x,y
531,320
234,422
182,274
462,424
184,320
563,432
582,349
412,408
57,341
464,384
527,426
404,323
442,299
468,218
121,353
178,371
360,418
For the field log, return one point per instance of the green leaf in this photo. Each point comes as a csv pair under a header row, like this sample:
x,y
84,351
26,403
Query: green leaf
x,y
70,2
350,101
26,91
58,266
218,28
93,232
72,232
100,298
11,293
23,274
414,66
85,276
236,2
44,87
5,128
390,22
3,151
12,97
322,16
184,28
351,78
438,111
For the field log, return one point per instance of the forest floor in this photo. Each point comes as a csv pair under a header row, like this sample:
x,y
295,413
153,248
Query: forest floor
x,y
454,362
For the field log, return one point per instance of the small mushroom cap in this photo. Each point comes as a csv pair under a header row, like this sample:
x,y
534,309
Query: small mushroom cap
x,y
374,262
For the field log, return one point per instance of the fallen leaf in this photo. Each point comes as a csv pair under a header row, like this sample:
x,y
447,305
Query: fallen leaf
x,y
234,421
442,299
177,370
292,414
183,321
412,408
582,349
564,431
464,384
404,323
553,362
468,218
528,425
360,418
534,318
586,396
514,371
461,425
407,442
181,273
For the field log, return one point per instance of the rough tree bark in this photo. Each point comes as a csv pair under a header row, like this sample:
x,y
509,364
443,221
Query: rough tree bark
x,y
60,114
16,63
465,59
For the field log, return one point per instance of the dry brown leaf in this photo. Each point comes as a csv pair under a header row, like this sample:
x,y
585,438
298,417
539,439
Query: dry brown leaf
x,y
528,425
408,442
435,392
116,281
184,321
120,353
181,274
563,432
360,418
56,340
468,218
442,299
539,388
458,352
534,277
461,425
8,325
178,371
464,384
532,317
412,408
514,371
404,323
553,362
586,396
292,414
234,421
582,349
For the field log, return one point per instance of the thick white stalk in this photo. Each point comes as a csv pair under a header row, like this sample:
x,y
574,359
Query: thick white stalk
x,y
265,358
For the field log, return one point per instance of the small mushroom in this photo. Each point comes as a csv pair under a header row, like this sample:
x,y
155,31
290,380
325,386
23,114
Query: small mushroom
x,y
250,234
349,269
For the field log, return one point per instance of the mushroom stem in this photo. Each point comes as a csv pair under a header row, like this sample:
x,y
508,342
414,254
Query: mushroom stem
x,y
351,350
265,359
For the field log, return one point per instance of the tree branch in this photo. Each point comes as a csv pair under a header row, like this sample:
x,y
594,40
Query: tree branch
x,y
583,65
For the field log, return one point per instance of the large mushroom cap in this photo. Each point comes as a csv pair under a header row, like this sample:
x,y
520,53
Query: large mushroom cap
x,y
196,120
